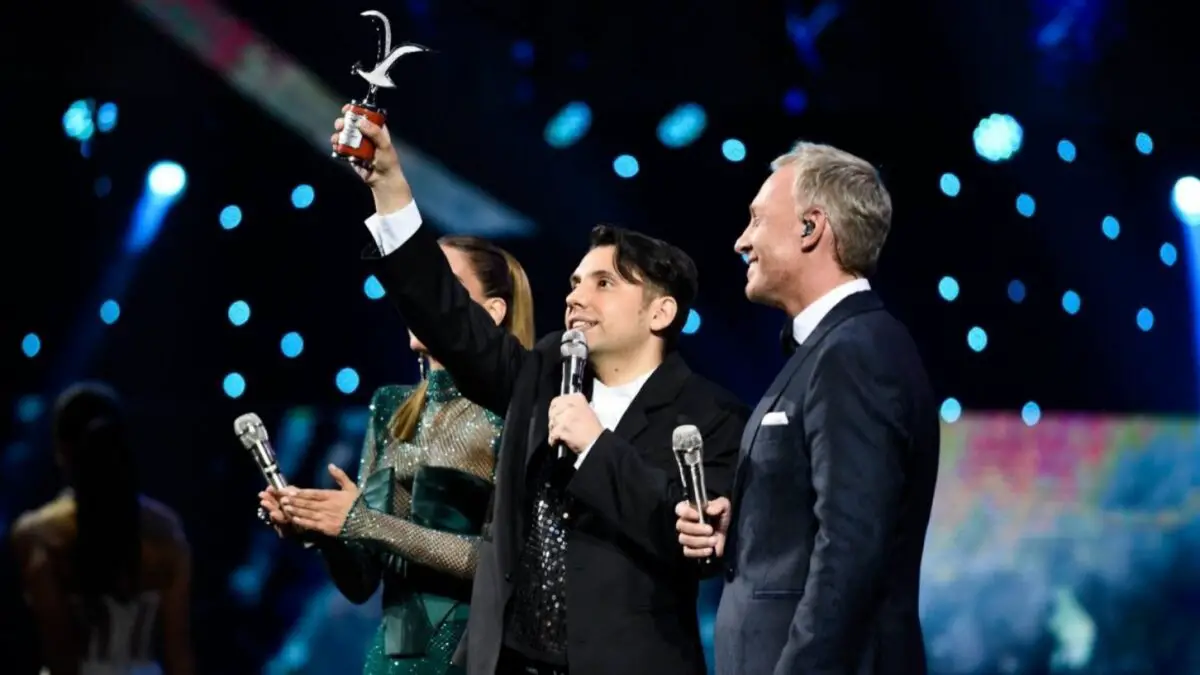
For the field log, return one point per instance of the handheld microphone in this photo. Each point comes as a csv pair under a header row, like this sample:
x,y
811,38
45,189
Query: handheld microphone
x,y
574,351
688,445
253,435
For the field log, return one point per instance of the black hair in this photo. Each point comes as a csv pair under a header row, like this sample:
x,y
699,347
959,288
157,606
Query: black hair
x,y
662,268
89,426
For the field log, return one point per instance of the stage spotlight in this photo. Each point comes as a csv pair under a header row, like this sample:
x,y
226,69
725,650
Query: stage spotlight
x,y
733,149
998,137
1145,319
31,345
1185,200
1168,254
166,180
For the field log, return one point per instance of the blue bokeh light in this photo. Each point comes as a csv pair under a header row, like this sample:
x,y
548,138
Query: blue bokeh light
x,y
231,217
1144,143
1016,291
31,345
1066,151
1031,413
239,313
303,196
977,339
1145,319
1026,205
347,380
1071,302
733,150
626,166
110,311
291,345
951,410
1110,226
372,288
693,322
234,385
1168,254
948,288
950,184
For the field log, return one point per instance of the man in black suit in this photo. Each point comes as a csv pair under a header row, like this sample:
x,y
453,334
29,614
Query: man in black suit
x,y
579,569
823,540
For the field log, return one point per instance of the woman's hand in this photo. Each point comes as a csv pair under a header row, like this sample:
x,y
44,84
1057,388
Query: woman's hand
x,y
323,511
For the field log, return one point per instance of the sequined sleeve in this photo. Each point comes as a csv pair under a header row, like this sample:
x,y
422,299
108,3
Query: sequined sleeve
x,y
354,569
448,552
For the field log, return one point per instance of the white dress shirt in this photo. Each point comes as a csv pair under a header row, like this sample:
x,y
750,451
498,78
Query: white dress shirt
x,y
808,319
391,230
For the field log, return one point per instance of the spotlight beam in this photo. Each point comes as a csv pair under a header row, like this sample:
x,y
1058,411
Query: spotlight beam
x,y
262,72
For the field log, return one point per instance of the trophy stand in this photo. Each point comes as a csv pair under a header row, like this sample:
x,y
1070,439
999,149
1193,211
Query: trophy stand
x,y
351,144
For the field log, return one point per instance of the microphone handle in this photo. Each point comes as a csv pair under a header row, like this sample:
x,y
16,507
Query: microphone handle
x,y
572,383
698,496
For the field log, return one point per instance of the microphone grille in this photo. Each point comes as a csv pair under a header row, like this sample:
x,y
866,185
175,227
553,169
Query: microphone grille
x,y
686,437
574,344
249,428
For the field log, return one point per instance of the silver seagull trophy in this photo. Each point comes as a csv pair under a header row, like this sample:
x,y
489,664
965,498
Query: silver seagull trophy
x,y
378,77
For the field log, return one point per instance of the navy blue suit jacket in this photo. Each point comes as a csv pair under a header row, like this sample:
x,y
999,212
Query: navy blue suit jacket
x,y
831,503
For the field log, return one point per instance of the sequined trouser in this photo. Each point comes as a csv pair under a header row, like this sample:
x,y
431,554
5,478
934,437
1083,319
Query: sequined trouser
x,y
435,662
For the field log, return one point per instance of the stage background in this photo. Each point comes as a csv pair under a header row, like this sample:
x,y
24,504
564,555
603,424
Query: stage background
x,y
175,226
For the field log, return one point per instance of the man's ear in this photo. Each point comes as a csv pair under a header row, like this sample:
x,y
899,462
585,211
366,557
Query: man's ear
x,y
662,312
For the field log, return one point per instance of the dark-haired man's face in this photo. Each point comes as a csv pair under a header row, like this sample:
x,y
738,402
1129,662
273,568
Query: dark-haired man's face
x,y
615,314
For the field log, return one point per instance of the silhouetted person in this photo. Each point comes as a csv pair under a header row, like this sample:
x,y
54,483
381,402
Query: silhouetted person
x,y
105,570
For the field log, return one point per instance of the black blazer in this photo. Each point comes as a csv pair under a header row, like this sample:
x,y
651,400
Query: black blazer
x,y
831,504
631,595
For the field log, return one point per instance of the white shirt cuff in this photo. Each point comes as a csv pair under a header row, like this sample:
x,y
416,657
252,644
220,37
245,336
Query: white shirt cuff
x,y
583,455
391,230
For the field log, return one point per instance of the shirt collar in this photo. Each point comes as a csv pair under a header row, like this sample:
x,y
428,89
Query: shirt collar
x,y
810,317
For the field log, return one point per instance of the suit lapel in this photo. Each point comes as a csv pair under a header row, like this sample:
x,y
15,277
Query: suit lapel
x,y
661,389
852,305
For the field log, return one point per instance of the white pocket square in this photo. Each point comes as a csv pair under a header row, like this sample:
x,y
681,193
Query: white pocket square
x,y
774,419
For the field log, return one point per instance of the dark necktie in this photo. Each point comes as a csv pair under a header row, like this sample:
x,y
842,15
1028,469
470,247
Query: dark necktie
x,y
787,340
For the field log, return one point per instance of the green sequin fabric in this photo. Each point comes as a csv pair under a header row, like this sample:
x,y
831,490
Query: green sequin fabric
x,y
421,504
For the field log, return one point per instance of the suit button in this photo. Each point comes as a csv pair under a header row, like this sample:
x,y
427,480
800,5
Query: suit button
x,y
730,573
508,577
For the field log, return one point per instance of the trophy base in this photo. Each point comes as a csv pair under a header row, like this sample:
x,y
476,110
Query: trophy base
x,y
351,144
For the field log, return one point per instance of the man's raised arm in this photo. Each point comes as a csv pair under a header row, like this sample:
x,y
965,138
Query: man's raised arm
x,y
483,358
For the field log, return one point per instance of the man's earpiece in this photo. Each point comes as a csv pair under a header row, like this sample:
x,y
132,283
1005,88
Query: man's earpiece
x,y
809,226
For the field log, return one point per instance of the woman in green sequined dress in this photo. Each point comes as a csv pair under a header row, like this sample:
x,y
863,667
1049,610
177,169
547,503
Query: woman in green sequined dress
x,y
413,519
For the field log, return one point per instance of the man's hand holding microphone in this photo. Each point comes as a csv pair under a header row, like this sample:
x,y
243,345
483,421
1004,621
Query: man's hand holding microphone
x,y
701,539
